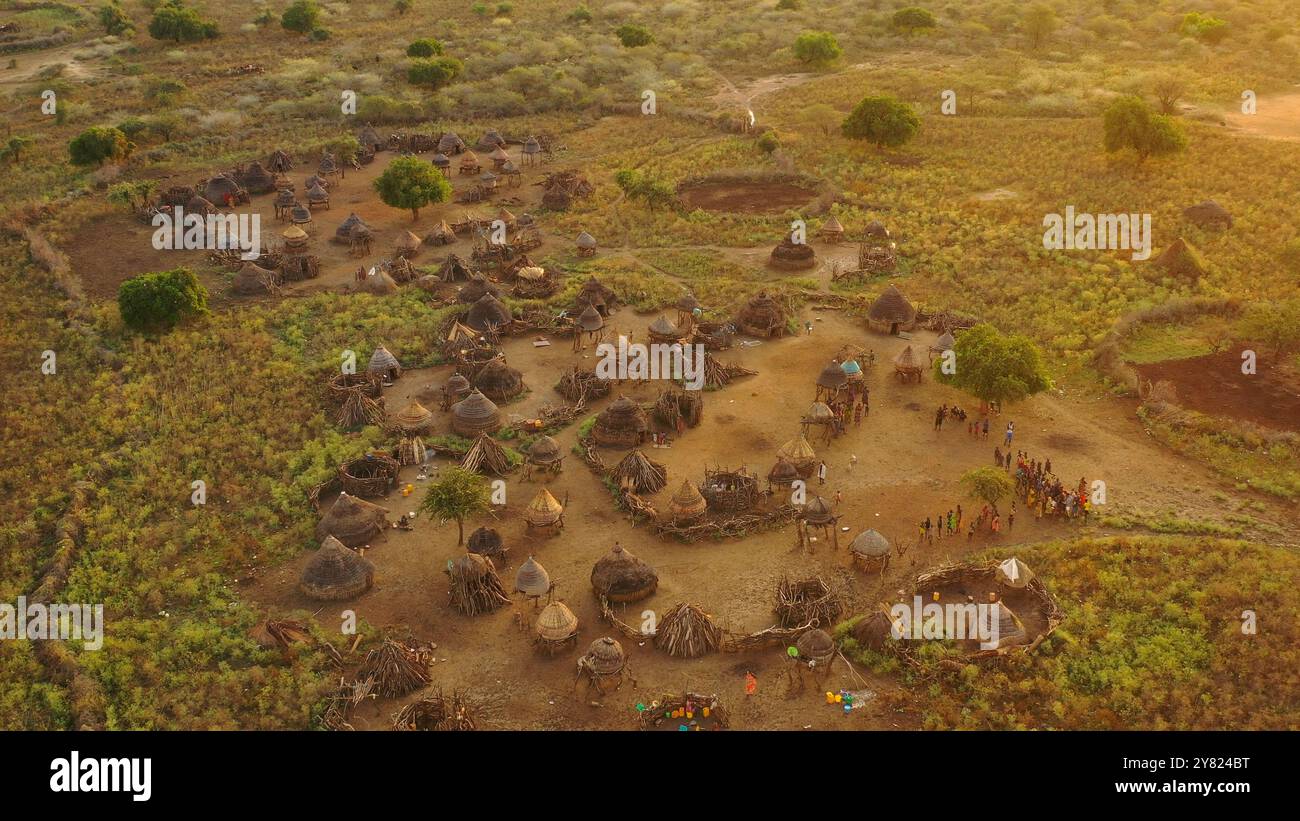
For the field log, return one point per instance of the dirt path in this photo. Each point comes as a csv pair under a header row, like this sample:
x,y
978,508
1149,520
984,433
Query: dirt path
x,y
1276,117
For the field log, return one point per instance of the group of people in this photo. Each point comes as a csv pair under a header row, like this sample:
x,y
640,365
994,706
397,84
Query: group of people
x,y
1043,491
944,413
953,522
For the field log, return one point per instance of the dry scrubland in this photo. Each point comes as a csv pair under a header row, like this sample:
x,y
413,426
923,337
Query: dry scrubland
x,y
107,450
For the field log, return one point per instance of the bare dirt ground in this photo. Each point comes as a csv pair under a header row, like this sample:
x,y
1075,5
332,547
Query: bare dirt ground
x,y
746,197
1214,384
905,472
1276,116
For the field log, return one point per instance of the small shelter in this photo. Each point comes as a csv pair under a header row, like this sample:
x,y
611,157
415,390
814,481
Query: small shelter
x,y
832,230
544,513
586,245
470,165
906,366
369,138
256,179
344,233
252,279
792,256
831,381
783,474
687,504
665,332
413,420
531,151
486,456
383,362
443,163
799,452
441,234
593,293
818,514
450,144
335,573
763,316
475,414
532,580
545,454
891,312
487,542
408,245
870,552
623,424
637,473
475,586
556,628
488,314
604,663
618,576
352,521
1014,574
500,382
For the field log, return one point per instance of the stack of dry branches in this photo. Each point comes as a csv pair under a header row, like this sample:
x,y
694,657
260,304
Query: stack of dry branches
x,y
359,409
396,668
806,600
687,631
438,712
486,456
739,524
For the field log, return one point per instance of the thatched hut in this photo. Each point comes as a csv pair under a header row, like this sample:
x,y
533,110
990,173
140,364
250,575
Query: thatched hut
x,y
783,474
295,239
475,414
1182,259
344,233
280,162
1014,574
816,648
499,381
593,293
945,342
678,408
638,473
455,269
531,150
475,586
256,179
414,419
252,279
686,631
352,521
907,367
369,138
299,215
223,191
199,205
443,163
477,288
532,580
576,385
590,321
586,245
469,164
663,331
441,234
604,662
544,513
831,381
545,453
490,140
383,363
487,314
619,576
763,316
450,144
832,230
556,628
408,245
335,573
792,256
799,452
487,542
621,425
486,456
687,504
870,551
891,312
378,283
499,157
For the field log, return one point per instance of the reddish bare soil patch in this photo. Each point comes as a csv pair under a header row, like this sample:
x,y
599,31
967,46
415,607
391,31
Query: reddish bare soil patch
x,y
746,197
1214,384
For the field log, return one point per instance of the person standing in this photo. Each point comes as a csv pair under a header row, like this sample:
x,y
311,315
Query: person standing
x,y
853,461
1011,429
986,427
821,472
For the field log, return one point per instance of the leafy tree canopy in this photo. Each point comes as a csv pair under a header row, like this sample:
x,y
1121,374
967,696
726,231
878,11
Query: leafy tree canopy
x,y
458,495
1131,123
158,301
885,121
412,183
995,367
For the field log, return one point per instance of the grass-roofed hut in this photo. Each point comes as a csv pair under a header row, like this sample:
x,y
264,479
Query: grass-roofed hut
x,y
544,513
618,576
486,541
763,316
488,314
352,521
687,504
792,256
556,628
891,312
475,414
500,382
335,573
638,473
621,425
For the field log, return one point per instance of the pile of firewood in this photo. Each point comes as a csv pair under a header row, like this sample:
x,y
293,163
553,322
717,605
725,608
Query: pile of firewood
x,y
740,524
438,712
686,631
806,600
396,668
718,374
359,409
486,456
639,474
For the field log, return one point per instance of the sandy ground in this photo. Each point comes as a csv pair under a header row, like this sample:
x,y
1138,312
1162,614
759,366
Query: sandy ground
x,y
1276,116
905,472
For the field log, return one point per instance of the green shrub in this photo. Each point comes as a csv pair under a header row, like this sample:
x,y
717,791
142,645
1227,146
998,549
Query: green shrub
x,y
434,73
885,121
172,21
817,48
97,145
424,47
631,35
158,301
302,16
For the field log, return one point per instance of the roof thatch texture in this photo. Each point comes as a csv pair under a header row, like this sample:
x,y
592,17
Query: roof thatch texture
x,y
352,521
531,579
636,472
687,503
486,541
413,419
475,586
556,623
543,510
488,313
686,631
621,577
499,381
891,306
475,414
335,573
621,424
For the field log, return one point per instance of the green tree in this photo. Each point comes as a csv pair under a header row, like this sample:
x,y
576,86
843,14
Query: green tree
x,y
13,148
172,21
885,121
631,35
434,73
458,495
413,183
133,194
1131,123
302,16
1039,23
994,367
424,47
1276,325
158,301
988,484
651,190
97,145
1169,86
913,19
115,20
818,48
1203,27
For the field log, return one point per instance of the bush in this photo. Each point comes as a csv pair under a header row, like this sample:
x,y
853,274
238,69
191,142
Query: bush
x,y
914,18
114,20
319,35
434,73
172,21
424,47
303,16
580,15
97,145
1203,27
1131,123
817,48
158,301
885,121
631,35
767,142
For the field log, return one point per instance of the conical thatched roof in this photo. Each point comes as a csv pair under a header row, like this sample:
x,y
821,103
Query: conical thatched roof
x,y
556,622
379,283
544,509
383,361
490,140
469,159
476,289
499,381
687,502
285,198
797,450
832,226
832,377
486,542
414,418
441,160
369,137
818,511
293,234
252,279
475,414
586,240
816,645
876,230
489,312
199,205
454,269
621,423
532,146
891,306
762,315
499,154
408,242
441,234
638,473
687,303
605,657
352,521
871,544
317,194
257,179
590,319
486,456
945,342
335,573
783,472
315,180
475,586
301,215
1014,573
450,143
820,412
531,579
1182,258
544,451
906,359
621,577
216,188
345,230
662,327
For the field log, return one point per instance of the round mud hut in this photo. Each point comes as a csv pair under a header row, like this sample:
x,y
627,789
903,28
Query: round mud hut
x,y
891,312
545,454
488,314
335,573
352,521
605,662
869,551
618,576
763,316
621,425
792,256
498,381
475,414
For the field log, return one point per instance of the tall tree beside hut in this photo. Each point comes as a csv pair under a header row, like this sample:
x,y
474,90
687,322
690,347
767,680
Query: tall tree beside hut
x,y
994,367
412,183
458,495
